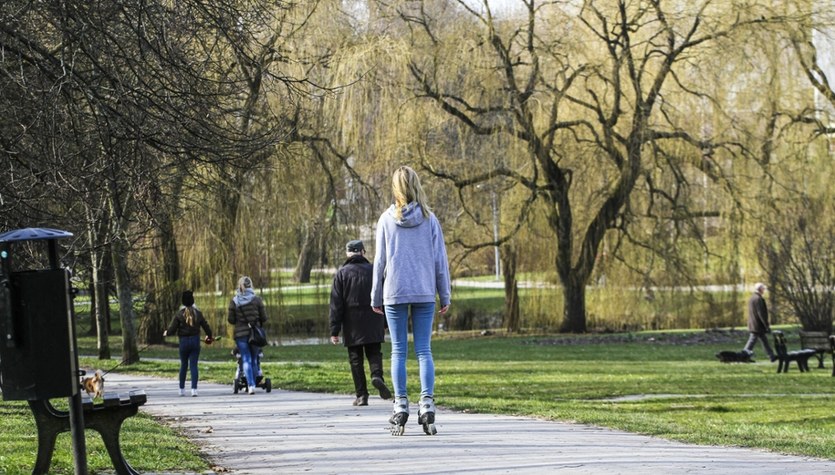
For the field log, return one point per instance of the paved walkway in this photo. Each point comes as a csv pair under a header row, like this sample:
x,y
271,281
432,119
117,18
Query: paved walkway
x,y
286,432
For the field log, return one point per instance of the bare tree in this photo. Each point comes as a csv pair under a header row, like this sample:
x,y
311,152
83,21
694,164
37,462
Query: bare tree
x,y
594,93
796,250
808,54
117,106
799,258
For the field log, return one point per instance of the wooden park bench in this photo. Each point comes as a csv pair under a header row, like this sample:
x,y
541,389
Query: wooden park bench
x,y
785,357
818,341
832,347
106,418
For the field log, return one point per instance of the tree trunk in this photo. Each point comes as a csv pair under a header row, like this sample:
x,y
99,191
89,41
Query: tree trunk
x,y
102,312
151,323
314,233
307,254
100,308
118,252
574,306
91,289
229,198
164,289
510,319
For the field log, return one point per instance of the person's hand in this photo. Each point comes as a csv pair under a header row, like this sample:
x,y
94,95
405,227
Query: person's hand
x,y
443,309
378,310
209,340
335,339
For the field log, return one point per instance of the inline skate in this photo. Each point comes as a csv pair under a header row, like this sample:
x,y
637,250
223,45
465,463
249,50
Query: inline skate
x,y
426,414
399,416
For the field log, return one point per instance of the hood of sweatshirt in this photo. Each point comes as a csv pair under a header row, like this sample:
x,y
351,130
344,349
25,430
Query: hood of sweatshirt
x,y
243,298
412,215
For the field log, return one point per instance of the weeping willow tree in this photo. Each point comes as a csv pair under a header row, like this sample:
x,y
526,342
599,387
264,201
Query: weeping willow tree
x,y
139,93
606,129
796,249
283,204
598,94
226,140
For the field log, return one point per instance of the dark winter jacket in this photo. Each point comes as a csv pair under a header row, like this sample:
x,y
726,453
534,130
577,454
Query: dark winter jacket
x,y
180,328
350,304
758,315
246,308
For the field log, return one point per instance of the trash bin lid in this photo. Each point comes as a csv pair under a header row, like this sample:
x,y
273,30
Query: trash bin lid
x,y
32,234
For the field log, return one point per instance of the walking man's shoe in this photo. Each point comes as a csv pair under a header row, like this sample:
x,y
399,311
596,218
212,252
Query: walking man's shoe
x,y
361,400
378,383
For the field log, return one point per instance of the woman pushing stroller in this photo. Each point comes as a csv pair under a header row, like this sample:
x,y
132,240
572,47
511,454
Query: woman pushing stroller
x,y
247,309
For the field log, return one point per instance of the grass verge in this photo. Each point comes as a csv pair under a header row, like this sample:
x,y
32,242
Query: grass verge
x,y
667,384
148,445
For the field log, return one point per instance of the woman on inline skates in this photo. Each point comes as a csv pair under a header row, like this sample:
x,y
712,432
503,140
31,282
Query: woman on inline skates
x,y
410,268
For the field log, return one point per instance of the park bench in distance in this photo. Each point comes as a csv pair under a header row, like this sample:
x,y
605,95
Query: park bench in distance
x,y
818,341
785,357
832,347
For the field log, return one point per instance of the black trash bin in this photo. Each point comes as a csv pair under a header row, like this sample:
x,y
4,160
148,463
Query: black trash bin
x,y
36,360
37,352
38,355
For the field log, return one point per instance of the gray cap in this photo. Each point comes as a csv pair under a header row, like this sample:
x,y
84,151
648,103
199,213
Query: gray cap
x,y
354,246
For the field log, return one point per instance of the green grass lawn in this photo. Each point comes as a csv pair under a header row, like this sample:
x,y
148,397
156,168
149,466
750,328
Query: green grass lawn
x,y
148,445
664,388
667,384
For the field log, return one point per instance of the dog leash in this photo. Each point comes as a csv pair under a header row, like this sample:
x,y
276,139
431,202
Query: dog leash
x,y
124,360
138,352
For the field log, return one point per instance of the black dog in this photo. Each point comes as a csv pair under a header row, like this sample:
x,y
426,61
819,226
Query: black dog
x,y
734,357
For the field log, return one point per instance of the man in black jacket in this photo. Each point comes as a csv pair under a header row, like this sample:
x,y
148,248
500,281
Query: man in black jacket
x,y
363,330
758,325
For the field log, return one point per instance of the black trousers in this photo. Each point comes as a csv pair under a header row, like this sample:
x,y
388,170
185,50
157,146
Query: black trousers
x,y
373,352
752,340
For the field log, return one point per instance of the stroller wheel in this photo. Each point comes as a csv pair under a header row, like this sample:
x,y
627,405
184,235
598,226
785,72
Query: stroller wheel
x,y
235,385
268,385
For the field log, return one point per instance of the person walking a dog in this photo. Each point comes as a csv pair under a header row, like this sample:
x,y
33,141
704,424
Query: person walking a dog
x,y
247,309
758,325
186,324
363,329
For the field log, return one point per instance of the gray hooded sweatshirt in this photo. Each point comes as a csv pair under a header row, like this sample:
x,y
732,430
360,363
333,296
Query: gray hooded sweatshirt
x,y
410,260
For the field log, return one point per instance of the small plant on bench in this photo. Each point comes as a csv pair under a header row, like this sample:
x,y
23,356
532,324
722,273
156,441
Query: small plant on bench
x,y
785,357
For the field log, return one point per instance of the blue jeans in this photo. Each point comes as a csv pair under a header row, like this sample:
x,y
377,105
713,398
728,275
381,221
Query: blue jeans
x,y
398,321
249,359
189,353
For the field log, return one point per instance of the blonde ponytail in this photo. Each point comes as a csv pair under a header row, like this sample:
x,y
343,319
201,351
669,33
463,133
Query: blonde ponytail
x,y
405,188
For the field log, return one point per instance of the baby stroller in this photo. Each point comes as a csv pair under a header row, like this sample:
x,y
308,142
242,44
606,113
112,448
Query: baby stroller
x,y
240,382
